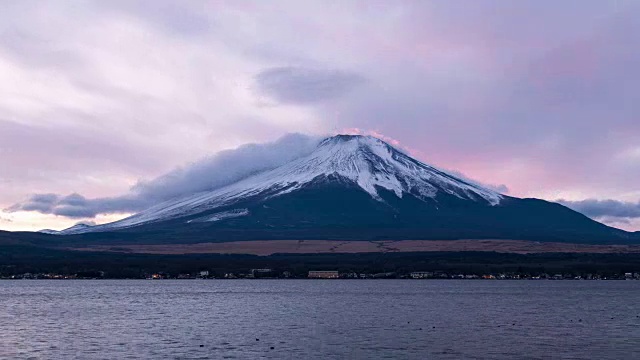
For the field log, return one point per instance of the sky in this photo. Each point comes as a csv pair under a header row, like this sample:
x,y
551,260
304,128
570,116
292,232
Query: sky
x,y
107,107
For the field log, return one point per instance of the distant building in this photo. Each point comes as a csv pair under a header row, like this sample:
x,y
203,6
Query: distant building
x,y
258,273
323,275
384,275
204,273
421,274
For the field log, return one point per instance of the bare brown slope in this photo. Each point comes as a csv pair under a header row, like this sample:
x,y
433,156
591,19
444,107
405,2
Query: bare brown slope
x,y
268,247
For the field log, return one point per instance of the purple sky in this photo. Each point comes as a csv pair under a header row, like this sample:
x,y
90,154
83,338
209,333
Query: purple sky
x,y
104,103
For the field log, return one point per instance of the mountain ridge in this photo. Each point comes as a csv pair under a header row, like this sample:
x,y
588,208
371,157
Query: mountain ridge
x,y
364,160
352,187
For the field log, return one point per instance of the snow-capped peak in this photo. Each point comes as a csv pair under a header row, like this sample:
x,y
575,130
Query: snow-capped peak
x,y
367,161
372,163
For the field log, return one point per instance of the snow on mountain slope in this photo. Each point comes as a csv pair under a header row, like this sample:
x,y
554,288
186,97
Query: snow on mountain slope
x,y
50,231
366,161
75,229
221,215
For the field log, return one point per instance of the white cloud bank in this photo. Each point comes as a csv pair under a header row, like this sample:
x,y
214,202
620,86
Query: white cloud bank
x,y
209,173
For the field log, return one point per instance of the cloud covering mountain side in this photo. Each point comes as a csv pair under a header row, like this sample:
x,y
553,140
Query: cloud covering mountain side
x,y
209,173
605,209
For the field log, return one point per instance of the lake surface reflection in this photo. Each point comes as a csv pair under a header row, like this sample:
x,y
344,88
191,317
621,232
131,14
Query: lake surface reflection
x,y
323,319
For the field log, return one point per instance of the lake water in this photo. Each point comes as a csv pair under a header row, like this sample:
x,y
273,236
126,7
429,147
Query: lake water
x,y
323,319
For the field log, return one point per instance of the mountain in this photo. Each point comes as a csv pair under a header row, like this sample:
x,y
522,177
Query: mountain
x,y
353,187
75,229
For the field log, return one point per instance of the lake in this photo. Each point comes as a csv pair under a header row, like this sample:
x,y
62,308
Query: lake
x,y
319,319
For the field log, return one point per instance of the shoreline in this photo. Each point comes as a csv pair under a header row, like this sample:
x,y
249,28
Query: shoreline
x,y
271,247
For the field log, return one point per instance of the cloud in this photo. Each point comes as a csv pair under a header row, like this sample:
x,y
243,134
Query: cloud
x,y
209,173
227,167
500,188
301,85
605,209
40,202
86,222
77,206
